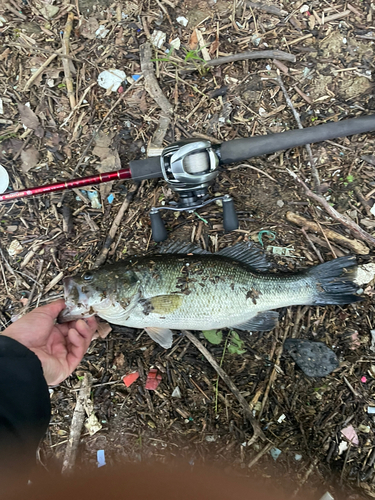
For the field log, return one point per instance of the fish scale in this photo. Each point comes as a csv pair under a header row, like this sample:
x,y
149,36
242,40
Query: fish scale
x,y
218,296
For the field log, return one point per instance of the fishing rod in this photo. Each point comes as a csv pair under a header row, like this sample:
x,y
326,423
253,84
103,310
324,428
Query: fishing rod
x,y
190,167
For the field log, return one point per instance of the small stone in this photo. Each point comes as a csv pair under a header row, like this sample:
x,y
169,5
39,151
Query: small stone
x,y
12,229
314,358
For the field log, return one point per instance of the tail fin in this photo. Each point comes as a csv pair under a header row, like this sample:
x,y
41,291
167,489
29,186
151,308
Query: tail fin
x,y
335,281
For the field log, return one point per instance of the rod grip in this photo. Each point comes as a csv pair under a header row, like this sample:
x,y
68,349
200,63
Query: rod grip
x,y
148,168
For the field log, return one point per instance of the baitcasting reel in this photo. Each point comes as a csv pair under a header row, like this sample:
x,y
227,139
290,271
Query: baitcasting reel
x,y
189,167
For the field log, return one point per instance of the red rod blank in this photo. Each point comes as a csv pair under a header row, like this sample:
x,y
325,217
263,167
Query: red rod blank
x,y
124,173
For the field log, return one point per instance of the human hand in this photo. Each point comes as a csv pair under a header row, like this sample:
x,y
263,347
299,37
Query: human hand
x,y
60,348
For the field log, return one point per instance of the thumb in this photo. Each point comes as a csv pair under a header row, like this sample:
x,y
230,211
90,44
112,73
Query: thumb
x,y
53,309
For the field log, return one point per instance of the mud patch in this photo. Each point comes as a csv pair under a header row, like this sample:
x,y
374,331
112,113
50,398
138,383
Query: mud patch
x,y
350,88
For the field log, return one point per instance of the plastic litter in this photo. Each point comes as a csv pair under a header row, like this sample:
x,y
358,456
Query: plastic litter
x,y
210,439
92,424
327,496
176,392
136,77
100,457
314,358
371,410
363,379
372,347
350,434
175,44
285,251
281,418
93,196
4,179
182,20
102,32
158,38
153,379
130,378
111,79
343,446
364,428
275,453
110,198
265,232
297,457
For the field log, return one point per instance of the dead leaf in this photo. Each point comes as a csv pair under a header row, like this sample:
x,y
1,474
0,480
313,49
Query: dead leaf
x,y
89,28
29,158
109,163
10,146
102,152
103,330
119,360
213,47
67,150
30,120
193,42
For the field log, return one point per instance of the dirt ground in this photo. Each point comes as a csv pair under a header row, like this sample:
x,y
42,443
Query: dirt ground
x,y
45,238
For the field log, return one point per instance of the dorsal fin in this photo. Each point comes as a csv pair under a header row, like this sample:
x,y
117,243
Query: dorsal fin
x,y
247,253
180,247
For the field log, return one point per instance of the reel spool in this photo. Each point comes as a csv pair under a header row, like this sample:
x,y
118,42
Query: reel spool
x,y
189,168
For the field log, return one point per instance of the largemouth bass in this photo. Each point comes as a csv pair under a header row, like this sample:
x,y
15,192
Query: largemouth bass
x,y
190,289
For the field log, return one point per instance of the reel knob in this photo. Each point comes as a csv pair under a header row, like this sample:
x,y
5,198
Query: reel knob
x,y
159,232
230,219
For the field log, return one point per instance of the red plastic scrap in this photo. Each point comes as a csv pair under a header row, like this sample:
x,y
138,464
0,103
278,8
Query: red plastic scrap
x,y
130,378
153,379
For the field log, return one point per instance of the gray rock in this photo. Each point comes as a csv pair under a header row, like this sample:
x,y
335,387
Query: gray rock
x,y
314,358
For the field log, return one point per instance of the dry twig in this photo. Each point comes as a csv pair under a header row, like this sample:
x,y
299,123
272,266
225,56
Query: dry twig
x,y
76,426
65,62
115,225
270,9
314,171
345,221
35,75
256,54
152,87
355,246
258,433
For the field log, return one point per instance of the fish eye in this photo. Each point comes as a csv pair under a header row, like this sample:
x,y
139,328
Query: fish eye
x,y
88,276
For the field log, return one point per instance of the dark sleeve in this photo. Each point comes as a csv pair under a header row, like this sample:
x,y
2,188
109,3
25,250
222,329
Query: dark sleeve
x,y
24,406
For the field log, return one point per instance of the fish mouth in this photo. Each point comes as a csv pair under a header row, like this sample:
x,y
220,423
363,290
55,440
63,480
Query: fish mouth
x,y
76,301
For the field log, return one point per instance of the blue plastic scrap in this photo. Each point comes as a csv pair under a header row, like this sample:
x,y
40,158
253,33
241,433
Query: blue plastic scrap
x,y
136,77
110,198
100,456
275,453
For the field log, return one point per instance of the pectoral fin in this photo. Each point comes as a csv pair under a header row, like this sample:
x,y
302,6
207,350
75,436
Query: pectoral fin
x,y
165,304
262,322
162,336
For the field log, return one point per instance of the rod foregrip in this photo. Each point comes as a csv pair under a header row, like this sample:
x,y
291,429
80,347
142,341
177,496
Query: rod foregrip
x,y
242,149
150,168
